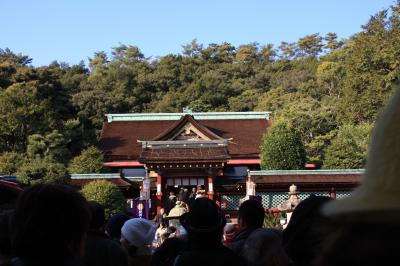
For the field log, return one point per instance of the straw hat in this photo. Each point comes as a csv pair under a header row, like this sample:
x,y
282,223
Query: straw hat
x,y
377,199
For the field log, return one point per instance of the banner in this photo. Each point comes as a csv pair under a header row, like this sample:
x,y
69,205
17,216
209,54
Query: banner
x,y
145,191
140,208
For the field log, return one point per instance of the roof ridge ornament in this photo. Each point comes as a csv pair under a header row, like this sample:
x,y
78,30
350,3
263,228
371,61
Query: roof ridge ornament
x,y
187,110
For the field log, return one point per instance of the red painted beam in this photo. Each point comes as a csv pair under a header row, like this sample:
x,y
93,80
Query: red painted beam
x,y
136,163
11,185
244,161
123,164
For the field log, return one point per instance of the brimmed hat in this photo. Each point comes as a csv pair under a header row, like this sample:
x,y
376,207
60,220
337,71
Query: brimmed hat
x,y
377,199
203,217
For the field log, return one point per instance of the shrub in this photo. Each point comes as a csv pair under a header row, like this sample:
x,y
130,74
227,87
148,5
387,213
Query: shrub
x,y
9,163
106,194
349,148
41,170
272,221
89,161
281,148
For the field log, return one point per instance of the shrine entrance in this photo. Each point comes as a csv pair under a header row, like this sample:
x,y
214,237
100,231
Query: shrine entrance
x,y
185,155
172,180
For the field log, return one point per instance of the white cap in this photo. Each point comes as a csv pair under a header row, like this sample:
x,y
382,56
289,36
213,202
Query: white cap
x,y
138,232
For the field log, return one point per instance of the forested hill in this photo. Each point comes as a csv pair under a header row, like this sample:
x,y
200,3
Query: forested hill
x,y
328,89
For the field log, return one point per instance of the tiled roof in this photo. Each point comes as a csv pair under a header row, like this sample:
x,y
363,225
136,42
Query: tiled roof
x,y
119,140
179,155
180,123
329,176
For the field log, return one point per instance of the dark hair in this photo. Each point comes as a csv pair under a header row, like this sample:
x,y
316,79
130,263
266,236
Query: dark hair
x,y
98,217
360,244
49,222
5,245
167,252
302,238
115,224
252,213
203,222
171,229
264,247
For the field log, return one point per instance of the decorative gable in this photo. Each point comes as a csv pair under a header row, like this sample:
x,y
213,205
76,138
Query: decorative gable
x,y
187,128
189,132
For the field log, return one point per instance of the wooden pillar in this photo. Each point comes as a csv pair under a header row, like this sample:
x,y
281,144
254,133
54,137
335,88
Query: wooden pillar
x,y
210,188
332,194
159,193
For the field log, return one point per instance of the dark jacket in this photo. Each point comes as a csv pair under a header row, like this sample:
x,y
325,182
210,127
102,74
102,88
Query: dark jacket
x,y
45,262
208,256
159,219
171,201
165,254
237,243
102,251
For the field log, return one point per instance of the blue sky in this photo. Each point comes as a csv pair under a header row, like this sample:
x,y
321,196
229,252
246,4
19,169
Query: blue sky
x,y
72,30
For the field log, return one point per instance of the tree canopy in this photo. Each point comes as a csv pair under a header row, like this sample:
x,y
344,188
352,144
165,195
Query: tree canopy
x,y
89,161
38,170
349,147
106,194
281,148
316,85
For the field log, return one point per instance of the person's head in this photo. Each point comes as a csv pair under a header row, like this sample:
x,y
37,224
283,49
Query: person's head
x,y
162,211
203,222
251,214
114,225
8,195
49,222
264,247
171,230
167,252
137,233
303,236
163,224
171,193
194,190
359,245
98,219
5,245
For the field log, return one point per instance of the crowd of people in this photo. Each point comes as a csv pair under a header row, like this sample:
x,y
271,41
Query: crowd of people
x,y
55,225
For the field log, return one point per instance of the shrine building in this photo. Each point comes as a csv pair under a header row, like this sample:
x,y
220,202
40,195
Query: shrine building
x,y
217,150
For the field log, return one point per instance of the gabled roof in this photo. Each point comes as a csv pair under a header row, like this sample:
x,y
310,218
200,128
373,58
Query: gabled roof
x,y
119,138
179,125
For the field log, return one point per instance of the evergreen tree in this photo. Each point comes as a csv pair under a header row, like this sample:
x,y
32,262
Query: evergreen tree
x,y
349,148
41,170
88,162
9,163
107,194
282,149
